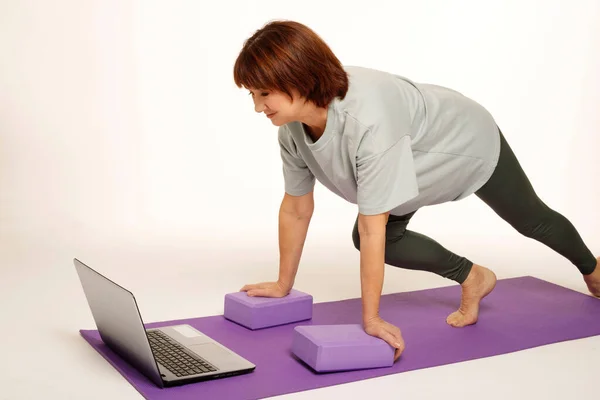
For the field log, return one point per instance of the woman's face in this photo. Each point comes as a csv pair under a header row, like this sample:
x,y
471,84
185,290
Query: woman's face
x,y
277,106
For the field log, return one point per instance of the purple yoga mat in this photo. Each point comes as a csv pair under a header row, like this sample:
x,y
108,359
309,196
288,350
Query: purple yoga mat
x,y
521,313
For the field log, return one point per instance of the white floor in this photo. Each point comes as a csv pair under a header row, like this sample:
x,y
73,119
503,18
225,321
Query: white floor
x,y
43,307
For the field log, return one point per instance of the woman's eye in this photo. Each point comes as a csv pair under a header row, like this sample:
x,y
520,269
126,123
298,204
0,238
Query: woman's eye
x,y
264,94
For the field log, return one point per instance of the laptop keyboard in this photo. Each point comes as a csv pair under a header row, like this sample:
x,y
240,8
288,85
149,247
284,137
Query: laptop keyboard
x,y
173,356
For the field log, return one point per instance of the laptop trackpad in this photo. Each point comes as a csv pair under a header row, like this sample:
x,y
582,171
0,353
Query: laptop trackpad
x,y
212,353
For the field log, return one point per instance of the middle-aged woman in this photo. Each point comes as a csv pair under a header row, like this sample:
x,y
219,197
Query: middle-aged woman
x,y
391,146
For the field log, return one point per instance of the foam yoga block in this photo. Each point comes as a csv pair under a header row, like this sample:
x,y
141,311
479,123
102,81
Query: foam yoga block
x,y
264,312
328,348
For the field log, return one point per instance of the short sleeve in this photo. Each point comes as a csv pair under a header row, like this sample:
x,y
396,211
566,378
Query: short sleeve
x,y
298,179
386,180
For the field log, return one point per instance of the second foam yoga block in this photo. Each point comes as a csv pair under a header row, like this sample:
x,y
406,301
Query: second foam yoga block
x,y
328,348
264,312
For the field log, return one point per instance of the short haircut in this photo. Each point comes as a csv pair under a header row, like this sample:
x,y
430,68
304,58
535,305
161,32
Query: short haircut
x,y
285,55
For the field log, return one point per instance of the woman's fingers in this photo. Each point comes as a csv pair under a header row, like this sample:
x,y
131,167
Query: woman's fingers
x,y
259,292
388,332
253,286
264,289
388,337
399,342
392,335
397,354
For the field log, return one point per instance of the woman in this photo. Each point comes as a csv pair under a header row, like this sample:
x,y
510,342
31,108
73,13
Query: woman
x,y
391,146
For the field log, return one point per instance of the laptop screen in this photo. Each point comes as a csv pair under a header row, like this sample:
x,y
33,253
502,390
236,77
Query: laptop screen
x,y
118,319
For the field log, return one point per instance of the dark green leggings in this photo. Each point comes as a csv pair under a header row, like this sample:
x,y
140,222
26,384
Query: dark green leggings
x,y
510,194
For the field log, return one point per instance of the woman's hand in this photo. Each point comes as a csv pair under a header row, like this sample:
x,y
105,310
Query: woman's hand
x,y
266,289
386,331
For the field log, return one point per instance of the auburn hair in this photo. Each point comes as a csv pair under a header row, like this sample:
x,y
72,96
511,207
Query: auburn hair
x,y
285,55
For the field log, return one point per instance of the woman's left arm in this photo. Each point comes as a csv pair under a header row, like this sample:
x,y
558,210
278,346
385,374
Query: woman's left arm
x,y
372,229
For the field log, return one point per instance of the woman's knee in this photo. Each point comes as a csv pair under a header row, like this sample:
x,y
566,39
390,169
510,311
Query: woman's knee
x,y
392,237
531,219
394,230
356,237
537,226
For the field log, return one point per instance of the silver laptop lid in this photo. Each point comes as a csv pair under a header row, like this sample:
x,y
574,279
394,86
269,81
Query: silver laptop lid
x,y
118,319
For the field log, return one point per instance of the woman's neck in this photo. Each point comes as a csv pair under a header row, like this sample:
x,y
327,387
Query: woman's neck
x,y
315,121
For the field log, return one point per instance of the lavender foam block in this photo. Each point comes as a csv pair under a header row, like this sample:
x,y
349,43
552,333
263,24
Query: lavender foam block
x,y
264,312
328,348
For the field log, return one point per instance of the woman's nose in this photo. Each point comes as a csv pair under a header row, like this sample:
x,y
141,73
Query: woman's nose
x,y
258,106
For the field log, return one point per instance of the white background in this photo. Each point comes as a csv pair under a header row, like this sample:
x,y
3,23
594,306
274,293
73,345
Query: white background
x,y
124,142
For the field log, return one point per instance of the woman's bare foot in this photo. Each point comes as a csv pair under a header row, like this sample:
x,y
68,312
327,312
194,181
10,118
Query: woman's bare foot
x,y
480,282
593,280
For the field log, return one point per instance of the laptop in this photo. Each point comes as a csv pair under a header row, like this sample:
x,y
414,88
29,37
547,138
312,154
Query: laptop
x,y
169,356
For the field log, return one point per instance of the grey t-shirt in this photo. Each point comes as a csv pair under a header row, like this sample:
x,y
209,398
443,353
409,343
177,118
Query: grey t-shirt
x,y
393,145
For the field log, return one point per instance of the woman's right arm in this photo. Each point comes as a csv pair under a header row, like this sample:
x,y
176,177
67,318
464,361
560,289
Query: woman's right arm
x,y
295,214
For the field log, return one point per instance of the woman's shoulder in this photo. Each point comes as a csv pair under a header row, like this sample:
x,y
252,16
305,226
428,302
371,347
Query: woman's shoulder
x,y
365,81
372,95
